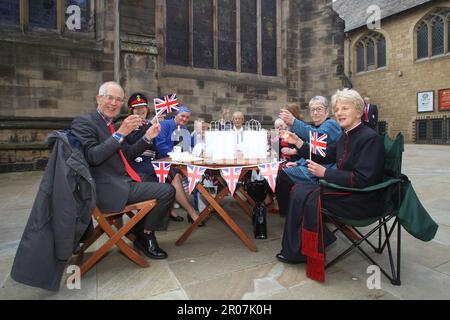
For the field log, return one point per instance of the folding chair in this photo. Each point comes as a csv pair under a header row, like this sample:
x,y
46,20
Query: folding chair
x,y
391,183
105,222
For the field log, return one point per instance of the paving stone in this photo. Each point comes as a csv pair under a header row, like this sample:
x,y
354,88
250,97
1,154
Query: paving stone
x,y
214,264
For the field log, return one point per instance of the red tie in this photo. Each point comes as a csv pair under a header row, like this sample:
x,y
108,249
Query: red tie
x,y
129,169
366,113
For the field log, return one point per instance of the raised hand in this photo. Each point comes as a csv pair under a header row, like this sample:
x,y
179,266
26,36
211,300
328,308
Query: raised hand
x,y
288,151
157,119
153,131
287,117
291,138
129,124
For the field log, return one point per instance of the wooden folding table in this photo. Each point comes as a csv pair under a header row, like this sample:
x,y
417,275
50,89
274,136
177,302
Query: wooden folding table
x,y
214,202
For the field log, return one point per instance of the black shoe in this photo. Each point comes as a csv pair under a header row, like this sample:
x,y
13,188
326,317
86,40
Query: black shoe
x,y
149,246
177,218
191,221
282,258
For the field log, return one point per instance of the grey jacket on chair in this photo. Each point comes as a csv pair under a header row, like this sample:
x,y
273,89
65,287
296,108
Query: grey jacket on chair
x,y
60,215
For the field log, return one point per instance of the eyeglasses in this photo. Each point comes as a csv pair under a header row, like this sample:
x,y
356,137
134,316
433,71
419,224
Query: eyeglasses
x,y
318,110
112,98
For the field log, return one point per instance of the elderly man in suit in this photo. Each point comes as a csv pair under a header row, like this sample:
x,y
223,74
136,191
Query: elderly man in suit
x,y
108,155
370,114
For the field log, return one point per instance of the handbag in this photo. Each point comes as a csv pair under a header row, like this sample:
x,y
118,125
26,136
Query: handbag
x,y
257,190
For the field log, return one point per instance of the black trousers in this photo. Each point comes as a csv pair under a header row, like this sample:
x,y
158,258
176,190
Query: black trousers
x,y
158,218
282,191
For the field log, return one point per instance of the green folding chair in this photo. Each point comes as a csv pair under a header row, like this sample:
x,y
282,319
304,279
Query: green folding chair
x,y
391,183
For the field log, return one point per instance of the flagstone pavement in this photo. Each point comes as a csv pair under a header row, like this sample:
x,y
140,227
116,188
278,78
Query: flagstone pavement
x,y
214,264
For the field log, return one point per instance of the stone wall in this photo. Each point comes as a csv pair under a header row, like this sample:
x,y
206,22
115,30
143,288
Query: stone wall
x,y
46,74
394,88
138,63
311,59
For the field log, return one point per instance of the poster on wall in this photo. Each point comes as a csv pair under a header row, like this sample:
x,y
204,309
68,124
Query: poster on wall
x,y
425,101
444,99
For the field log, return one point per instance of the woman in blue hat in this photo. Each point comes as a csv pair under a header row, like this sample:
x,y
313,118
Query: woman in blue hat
x,y
164,142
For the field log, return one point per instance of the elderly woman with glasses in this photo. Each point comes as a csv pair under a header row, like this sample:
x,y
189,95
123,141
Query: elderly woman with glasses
x,y
297,172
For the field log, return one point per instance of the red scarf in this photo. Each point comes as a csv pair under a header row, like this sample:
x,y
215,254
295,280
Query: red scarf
x,y
311,247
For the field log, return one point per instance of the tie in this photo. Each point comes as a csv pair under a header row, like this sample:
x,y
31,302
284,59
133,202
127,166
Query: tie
x,y
366,113
129,169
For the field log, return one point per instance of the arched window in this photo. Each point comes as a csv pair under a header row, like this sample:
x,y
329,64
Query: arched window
x,y
437,37
422,41
370,52
430,33
370,55
360,57
448,32
60,15
381,52
9,12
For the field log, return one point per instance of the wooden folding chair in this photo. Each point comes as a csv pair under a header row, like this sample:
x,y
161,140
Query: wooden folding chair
x,y
105,222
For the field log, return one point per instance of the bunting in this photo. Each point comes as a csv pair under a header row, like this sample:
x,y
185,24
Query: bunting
x,y
162,170
231,176
270,172
195,174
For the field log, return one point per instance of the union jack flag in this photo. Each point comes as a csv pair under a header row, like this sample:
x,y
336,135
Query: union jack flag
x,y
231,176
162,170
270,172
195,173
166,104
318,144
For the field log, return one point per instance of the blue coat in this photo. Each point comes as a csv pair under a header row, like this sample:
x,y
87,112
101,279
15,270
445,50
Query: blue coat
x,y
300,173
163,141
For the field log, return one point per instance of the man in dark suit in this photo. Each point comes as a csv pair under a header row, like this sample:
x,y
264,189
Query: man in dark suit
x,y
370,114
108,155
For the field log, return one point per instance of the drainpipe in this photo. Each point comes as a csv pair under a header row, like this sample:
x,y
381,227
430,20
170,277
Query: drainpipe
x,y
349,61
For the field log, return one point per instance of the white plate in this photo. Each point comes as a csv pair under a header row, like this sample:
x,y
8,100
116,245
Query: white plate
x,y
183,157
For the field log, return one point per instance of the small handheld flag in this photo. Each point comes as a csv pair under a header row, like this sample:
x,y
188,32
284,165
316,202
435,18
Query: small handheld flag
x,y
166,104
317,145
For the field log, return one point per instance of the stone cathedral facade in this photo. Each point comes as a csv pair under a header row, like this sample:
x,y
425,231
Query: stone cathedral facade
x,y
248,55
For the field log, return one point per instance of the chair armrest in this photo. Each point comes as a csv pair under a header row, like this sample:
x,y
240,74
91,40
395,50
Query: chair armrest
x,y
379,186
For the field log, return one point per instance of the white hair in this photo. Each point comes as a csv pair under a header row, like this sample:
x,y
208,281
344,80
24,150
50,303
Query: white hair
x,y
279,122
104,87
320,99
237,114
350,96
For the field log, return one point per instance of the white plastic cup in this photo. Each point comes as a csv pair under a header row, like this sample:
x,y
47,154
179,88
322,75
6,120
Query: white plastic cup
x,y
177,149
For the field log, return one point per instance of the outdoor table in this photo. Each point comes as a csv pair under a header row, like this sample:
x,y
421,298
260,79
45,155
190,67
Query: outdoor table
x,y
214,202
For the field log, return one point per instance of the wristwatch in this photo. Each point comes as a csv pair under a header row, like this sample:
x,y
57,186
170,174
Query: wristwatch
x,y
118,137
